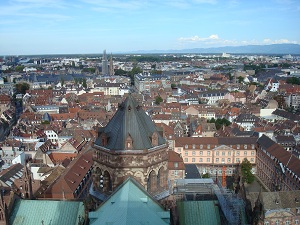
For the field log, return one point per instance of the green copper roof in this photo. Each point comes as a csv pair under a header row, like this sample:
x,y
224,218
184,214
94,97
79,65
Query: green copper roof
x,y
29,212
130,204
199,213
130,119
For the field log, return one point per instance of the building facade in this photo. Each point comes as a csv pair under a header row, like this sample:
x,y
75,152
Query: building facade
x,y
211,154
147,82
277,168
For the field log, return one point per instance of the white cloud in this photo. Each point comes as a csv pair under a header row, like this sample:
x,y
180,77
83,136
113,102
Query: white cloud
x,y
215,40
199,39
279,41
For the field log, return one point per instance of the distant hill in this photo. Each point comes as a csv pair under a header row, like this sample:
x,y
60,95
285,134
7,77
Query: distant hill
x,y
247,49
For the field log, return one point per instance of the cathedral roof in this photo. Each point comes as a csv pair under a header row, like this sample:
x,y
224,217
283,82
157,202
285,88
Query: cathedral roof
x,y
130,122
130,204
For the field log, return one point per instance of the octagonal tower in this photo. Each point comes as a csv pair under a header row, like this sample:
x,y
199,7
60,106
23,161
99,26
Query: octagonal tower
x,y
130,145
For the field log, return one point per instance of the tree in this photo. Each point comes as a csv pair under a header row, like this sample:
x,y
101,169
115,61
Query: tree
x,y
62,81
240,79
19,68
219,122
22,87
173,85
119,72
158,100
246,169
293,80
84,83
206,175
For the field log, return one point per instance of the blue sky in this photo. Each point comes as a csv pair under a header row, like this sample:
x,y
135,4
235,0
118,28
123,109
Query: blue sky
x,y
90,26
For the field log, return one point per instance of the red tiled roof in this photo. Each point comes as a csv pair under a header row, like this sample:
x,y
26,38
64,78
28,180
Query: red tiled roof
x,y
174,157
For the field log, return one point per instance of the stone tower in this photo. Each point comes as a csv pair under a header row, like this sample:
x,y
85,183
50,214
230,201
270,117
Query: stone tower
x,y
111,66
130,145
104,64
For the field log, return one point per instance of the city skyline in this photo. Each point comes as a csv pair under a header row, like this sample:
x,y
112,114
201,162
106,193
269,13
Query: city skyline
x,y
88,26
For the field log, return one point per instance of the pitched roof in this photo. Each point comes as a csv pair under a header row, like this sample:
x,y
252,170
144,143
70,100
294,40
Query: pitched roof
x,y
280,200
199,212
130,204
28,212
289,161
174,157
130,120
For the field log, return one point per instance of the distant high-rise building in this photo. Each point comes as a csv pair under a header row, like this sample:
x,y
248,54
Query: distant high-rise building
x,y
111,66
104,64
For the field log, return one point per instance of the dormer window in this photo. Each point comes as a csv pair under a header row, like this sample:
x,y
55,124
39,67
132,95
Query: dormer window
x,y
128,142
103,139
154,139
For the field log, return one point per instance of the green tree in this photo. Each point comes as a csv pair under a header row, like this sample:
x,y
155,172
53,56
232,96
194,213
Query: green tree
x,y
293,80
247,174
62,81
219,122
240,79
173,85
84,83
19,68
22,87
119,72
206,175
158,100
212,120
135,70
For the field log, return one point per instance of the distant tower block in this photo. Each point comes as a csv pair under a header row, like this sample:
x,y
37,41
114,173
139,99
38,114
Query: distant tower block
x,y
104,64
111,66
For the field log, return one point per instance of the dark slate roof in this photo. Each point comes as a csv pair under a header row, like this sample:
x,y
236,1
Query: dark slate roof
x,y
250,118
191,171
285,138
265,141
287,115
130,119
46,117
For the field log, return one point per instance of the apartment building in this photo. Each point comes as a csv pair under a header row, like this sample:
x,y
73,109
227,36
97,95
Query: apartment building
x,y
210,154
213,96
276,167
147,82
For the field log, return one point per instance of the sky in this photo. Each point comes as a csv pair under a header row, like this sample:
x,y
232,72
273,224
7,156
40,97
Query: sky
x,y
29,27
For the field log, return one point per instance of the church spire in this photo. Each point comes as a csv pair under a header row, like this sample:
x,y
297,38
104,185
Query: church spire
x,y
27,183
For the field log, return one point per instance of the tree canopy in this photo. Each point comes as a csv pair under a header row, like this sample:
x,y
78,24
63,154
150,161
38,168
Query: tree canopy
x,y
22,87
158,100
293,80
219,122
246,168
